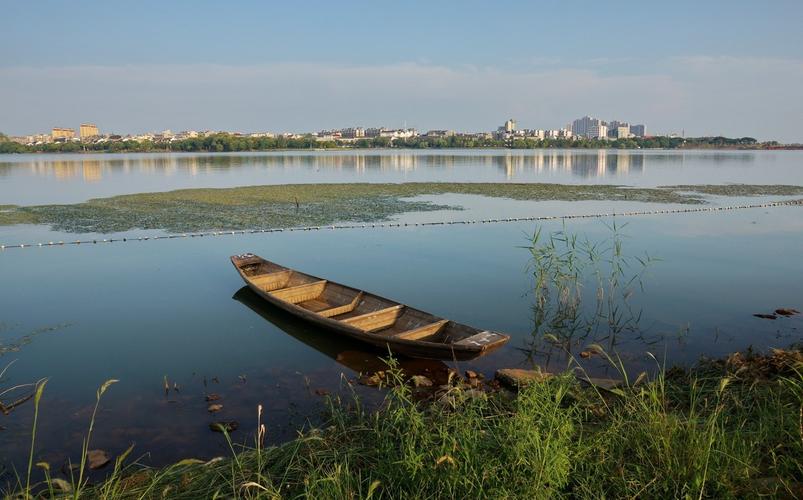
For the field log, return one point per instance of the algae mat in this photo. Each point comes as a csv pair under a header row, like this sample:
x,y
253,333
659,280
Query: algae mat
x,y
321,204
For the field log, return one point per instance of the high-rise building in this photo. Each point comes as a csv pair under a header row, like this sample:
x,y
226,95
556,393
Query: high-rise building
x,y
88,130
63,133
588,127
599,131
638,130
510,126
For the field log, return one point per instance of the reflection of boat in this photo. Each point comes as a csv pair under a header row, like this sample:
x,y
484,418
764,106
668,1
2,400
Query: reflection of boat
x,y
344,350
364,316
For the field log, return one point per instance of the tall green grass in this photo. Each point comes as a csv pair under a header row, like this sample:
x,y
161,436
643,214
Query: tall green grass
x,y
715,432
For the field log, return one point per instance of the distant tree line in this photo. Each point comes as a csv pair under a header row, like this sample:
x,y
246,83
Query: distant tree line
x,y
223,142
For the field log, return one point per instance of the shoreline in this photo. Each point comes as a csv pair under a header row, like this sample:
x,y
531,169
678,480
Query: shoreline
x,y
723,427
430,150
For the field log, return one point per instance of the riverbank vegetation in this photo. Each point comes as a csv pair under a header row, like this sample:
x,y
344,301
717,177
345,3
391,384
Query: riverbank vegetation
x,y
281,206
728,428
224,142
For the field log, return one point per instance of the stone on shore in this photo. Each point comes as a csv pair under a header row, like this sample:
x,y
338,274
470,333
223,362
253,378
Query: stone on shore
x,y
518,377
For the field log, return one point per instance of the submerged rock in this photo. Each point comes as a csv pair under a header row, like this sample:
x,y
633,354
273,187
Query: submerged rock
x,y
420,381
786,312
214,408
212,397
518,377
97,459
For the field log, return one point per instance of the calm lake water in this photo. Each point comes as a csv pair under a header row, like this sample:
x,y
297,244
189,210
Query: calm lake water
x,y
38,179
141,312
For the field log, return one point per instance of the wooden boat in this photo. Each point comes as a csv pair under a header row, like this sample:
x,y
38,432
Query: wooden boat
x,y
372,319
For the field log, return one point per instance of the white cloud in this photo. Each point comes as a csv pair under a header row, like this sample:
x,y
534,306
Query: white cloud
x,y
703,95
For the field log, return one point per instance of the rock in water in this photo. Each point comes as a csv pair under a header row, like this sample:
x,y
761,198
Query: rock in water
x,y
97,459
212,397
214,408
517,377
766,316
786,312
420,381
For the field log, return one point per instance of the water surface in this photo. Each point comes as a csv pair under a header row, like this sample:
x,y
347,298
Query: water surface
x,y
143,312
59,178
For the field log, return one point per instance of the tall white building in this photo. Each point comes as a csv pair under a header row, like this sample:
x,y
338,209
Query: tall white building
x,y
589,127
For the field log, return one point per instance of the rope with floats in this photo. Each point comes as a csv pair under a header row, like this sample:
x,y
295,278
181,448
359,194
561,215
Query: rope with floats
x,y
405,224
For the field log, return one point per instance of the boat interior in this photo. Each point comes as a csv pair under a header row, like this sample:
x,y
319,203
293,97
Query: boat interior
x,y
355,308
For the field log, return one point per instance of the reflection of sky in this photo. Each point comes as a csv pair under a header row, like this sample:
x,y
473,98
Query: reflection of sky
x,y
39,179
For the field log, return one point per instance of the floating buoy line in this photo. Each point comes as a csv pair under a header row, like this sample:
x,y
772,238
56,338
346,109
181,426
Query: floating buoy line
x,y
404,224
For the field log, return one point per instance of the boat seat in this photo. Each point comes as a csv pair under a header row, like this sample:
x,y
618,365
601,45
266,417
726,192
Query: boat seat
x,y
375,320
345,308
271,281
422,331
300,293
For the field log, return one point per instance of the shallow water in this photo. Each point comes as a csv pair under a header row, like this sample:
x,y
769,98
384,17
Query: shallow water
x,y
143,311
41,179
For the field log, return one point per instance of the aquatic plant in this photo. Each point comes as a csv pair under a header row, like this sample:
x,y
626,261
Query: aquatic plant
x,y
298,205
569,273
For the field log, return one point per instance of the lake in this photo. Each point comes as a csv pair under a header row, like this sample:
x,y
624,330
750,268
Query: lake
x,y
176,310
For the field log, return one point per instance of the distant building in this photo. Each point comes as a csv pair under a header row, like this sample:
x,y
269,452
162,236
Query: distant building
x,y
510,126
402,133
352,133
638,130
589,127
374,132
440,133
63,133
88,130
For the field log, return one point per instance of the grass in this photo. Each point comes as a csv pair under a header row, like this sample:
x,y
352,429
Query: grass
x,y
725,429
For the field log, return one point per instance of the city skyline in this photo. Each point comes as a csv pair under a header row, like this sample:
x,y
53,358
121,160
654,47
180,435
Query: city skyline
x,y
282,68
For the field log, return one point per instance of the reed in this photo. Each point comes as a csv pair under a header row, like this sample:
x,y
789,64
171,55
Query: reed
x,y
582,289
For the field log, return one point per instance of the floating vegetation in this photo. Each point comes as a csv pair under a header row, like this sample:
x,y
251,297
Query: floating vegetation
x,y
297,205
740,189
12,214
15,344
282,206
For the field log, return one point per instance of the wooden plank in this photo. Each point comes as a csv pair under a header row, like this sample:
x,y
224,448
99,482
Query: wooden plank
x,y
272,281
422,331
346,308
375,320
300,293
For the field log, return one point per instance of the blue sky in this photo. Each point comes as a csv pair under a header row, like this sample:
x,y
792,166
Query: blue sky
x,y
724,67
